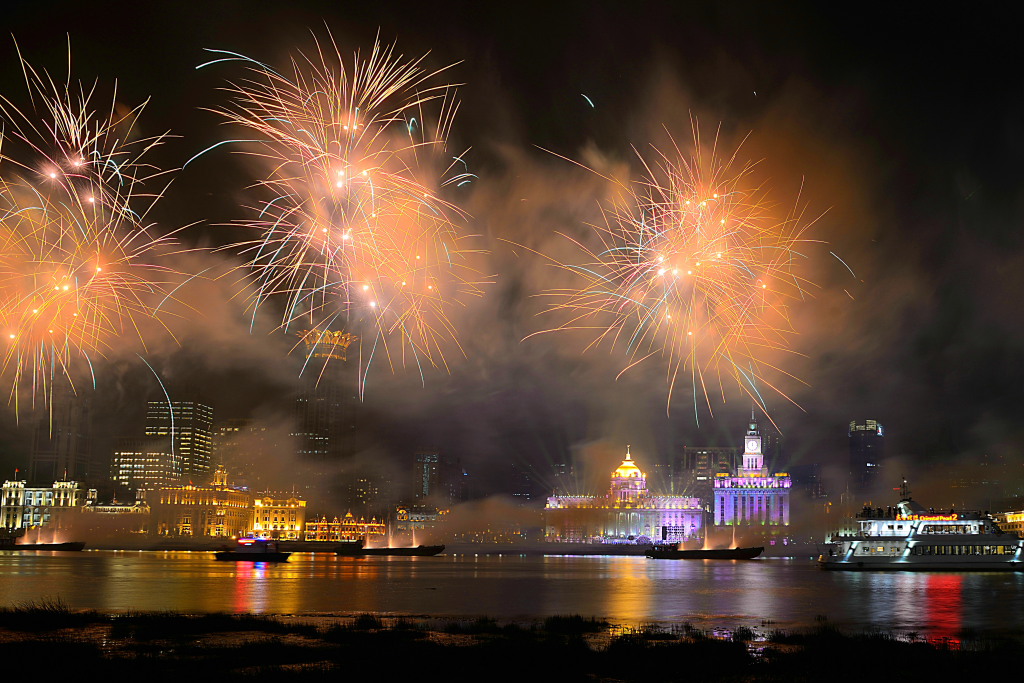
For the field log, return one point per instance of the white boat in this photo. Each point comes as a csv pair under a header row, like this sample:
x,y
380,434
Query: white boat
x,y
908,537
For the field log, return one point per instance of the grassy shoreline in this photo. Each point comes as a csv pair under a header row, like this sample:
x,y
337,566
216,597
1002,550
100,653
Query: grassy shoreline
x,y
248,647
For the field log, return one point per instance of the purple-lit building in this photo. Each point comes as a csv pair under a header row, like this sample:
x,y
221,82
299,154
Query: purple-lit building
x,y
629,512
750,496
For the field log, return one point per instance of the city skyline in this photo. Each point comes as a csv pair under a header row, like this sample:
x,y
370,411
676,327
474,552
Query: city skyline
x,y
919,206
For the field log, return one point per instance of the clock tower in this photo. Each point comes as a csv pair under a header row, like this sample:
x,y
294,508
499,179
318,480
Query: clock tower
x,y
753,458
751,497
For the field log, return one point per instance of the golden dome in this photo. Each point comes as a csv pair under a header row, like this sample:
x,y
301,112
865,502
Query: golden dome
x,y
628,468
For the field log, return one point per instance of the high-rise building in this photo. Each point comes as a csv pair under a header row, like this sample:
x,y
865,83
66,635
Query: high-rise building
x,y
145,463
694,469
368,494
867,441
187,426
62,440
326,407
749,496
246,447
438,479
426,475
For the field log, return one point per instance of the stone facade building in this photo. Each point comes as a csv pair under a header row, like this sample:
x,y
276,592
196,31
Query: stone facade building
x,y
627,513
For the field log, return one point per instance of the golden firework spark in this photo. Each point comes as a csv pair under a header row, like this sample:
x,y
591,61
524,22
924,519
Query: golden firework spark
x,y
352,227
74,274
692,265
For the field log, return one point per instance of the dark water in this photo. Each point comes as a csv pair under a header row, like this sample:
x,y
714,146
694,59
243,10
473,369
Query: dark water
x,y
625,590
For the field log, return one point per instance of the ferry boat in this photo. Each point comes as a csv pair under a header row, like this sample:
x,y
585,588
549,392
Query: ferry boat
x,y
253,550
908,537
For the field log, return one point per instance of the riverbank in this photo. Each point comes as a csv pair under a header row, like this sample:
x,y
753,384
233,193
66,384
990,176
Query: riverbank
x,y
225,647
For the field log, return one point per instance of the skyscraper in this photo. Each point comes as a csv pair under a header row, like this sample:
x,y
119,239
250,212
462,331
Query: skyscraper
x,y
325,409
867,441
187,425
438,479
62,440
694,470
145,463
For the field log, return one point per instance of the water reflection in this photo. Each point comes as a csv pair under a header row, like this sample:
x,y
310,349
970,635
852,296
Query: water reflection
x,y
944,597
625,590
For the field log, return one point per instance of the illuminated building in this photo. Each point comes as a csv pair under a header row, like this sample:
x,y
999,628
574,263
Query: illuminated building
x,y
628,512
145,464
115,517
25,507
282,518
186,426
867,442
212,510
1010,522
750,496
413,518
346,529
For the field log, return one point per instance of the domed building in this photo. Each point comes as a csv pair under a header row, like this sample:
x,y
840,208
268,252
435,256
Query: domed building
x,y
628,513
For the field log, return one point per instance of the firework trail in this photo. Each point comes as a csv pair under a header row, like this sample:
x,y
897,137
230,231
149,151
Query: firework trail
x,y
74,247
352,231
692,266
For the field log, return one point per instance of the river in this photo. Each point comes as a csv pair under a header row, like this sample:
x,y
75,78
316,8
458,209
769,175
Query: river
x,y
775,593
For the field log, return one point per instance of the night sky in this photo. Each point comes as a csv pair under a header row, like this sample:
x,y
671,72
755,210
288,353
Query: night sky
x,y
902,129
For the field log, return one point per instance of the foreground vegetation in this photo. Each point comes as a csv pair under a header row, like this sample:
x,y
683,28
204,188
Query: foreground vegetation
x,y
165,646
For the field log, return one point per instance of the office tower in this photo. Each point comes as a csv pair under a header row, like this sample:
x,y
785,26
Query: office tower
x,y
62,440
771,445
368,494
867,441
694,470
326,407
808,478
439,478
563,478
426,475
187,426
251,452
148,464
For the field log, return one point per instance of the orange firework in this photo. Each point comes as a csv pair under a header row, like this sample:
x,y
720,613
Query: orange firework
x,y
73,274
692,266
352,229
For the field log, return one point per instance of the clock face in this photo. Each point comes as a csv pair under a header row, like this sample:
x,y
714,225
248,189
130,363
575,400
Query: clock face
x,y
751,445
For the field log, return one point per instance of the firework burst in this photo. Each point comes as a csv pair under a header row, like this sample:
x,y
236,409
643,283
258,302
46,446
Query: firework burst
x,y
352,230
693,266
74,274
